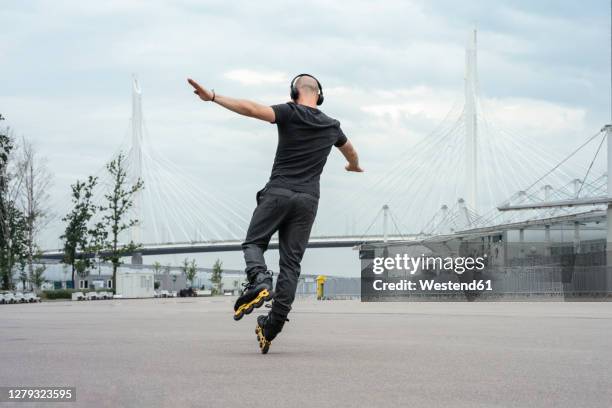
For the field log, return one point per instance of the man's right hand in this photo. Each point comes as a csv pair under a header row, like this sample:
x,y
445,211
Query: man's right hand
x,y
350,154
202,92
353,167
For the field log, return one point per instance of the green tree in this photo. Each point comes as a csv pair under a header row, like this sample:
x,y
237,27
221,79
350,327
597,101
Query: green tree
x,y
217,277
12,220
157,267
185,266
23,277
79,239
191,270
13,242
114,213
82,266
37,277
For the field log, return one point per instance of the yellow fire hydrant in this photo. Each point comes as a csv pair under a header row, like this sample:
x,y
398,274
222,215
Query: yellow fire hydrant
x,y
321,286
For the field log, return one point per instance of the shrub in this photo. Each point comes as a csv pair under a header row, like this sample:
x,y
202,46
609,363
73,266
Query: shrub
x,y
57,294
67,293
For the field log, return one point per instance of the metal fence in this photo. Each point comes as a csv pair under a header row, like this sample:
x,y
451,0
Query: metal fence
x,y
568,281
334,288
520,271
517,282
513,283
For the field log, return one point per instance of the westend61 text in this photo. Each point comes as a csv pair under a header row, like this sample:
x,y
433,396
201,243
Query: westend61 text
x,y
423,284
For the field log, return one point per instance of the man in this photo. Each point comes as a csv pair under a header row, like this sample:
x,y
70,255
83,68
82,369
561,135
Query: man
x,y
288,203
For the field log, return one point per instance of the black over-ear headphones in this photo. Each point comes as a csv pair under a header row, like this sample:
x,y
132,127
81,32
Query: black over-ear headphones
x,y
295,93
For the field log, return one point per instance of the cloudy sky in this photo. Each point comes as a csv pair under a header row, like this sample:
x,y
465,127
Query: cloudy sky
x,y
391,71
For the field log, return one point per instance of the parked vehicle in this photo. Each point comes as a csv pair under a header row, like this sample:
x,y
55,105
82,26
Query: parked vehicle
x,y
164,293
78,296
106,295
92,296
9,298
31,297
189,292
2,298
20,297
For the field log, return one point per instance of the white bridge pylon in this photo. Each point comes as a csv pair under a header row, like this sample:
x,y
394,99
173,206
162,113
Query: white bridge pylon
x,y
174,205
471,123
136,157
468,164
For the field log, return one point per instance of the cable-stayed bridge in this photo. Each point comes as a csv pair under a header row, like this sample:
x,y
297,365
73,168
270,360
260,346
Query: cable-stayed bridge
x,y
466,177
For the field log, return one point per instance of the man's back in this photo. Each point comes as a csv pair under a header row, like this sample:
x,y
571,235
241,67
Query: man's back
x,y
305,138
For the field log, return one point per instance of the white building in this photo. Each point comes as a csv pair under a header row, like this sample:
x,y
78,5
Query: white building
x,y
134,284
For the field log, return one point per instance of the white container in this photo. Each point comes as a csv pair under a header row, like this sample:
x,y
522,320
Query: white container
x,y
135,284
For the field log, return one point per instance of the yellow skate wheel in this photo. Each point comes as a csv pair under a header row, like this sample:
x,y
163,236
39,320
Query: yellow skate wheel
x,y
265,295
238,315
264,345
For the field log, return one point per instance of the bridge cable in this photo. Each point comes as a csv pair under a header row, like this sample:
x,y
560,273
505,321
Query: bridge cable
x,y
591,165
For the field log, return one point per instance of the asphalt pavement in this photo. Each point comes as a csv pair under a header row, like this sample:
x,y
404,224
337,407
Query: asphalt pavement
x,y
190,353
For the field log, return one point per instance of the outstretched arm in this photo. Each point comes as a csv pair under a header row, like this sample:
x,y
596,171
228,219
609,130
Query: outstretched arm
x,y
241,106
349,152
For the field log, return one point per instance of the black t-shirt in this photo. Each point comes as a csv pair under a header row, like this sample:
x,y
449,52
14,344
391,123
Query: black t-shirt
x,y
305,138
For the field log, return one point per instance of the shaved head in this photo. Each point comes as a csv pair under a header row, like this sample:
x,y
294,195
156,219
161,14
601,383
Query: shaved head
x,y
307,84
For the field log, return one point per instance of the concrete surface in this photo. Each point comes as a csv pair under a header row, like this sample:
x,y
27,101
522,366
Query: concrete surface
x,y
190,353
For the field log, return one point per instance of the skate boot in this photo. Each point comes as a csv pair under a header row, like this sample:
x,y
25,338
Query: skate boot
x,y
264,344
267,328
254,294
